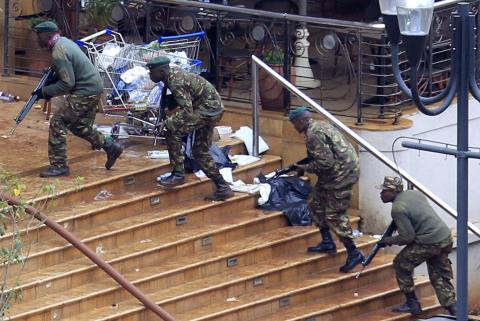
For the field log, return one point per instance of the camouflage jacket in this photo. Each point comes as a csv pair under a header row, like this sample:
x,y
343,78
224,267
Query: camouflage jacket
x,y
333,158
194,93
76,74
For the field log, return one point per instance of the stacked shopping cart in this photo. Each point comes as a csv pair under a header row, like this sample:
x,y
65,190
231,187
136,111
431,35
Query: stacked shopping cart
x,y
129,92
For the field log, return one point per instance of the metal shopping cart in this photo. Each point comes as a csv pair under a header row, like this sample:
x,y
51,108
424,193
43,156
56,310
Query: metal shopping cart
x,y
129,92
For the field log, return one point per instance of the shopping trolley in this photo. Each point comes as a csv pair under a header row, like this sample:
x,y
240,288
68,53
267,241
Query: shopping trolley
x,y
129,92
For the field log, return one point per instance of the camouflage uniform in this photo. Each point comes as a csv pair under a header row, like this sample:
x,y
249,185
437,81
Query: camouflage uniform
x,y
335,162
80,79
438,264
78,115
201,109
427,239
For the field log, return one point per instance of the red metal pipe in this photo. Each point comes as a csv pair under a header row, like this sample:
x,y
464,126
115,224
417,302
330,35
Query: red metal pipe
x,y
72,239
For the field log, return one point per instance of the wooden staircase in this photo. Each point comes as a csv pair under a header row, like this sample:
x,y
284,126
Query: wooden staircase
x,y
199,260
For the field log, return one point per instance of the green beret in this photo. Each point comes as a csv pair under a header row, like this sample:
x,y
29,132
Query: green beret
x,y
158,61
46,26
297,112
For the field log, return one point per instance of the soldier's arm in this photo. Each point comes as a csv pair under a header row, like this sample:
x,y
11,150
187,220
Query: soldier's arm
x,y
322,157
406,232
66,78
182,96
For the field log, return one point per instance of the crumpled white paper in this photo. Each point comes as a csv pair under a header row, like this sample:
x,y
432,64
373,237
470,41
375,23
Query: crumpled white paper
x,y
245,134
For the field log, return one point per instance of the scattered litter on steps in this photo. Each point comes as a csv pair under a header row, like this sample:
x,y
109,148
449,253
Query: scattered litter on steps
x,y
99,249
158,154
223,130
102,195
226,173
232,299
355,294
145,241
245,134
241,187
357,233
243,160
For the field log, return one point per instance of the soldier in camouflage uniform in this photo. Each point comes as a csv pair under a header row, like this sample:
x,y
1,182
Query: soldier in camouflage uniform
x,y
200,109
427,239
79,79
335,162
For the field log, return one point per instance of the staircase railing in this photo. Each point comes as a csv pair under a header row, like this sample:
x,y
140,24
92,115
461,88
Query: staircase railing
x,y
257,63
101,263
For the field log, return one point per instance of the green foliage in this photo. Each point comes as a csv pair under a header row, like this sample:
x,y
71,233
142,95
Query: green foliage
x,y
274,57
32,22
99,12
13,250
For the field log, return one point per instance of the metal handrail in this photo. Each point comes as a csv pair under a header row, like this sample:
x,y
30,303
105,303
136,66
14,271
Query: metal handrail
x,y
256,63
293,17
94,257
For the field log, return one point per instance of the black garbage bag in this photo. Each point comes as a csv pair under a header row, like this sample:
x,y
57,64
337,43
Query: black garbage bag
x,y
289,195
219,155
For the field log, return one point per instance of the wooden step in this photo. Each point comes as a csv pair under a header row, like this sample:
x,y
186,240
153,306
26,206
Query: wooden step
x,y
88,175
177,258
339,305
234,282
429,303
88,213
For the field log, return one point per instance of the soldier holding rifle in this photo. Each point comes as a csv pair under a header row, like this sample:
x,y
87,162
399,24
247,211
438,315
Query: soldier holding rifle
x,y
426,238
80,80
335,162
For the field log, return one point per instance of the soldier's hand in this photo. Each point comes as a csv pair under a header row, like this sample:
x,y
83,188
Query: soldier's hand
x,y
382,243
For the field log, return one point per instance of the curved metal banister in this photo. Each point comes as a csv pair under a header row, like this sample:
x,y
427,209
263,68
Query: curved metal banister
x,y
256,62
291,17
101,263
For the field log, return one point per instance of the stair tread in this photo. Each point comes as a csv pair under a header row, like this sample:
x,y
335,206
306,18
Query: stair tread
x,y
64,213
340,299
246,272
386,314
92,168
135,220
246,244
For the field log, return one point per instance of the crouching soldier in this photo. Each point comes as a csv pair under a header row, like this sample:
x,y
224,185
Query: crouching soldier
x,y
200,109
426,238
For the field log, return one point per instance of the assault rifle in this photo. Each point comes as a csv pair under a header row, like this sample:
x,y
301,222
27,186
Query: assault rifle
x,y
33,99
388,232
292,167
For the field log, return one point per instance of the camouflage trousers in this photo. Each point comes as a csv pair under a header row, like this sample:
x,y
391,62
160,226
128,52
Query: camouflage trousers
x,y
329,209
77,114
438,264
183,123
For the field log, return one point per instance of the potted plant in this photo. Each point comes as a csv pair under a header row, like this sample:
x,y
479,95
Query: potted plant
x,y
99,13
271,91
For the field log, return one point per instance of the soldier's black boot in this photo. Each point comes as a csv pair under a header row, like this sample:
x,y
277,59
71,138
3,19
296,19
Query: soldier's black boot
x,y
222,192
412,305
354,256
452,309
327,245
173,180
113,150
55,171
